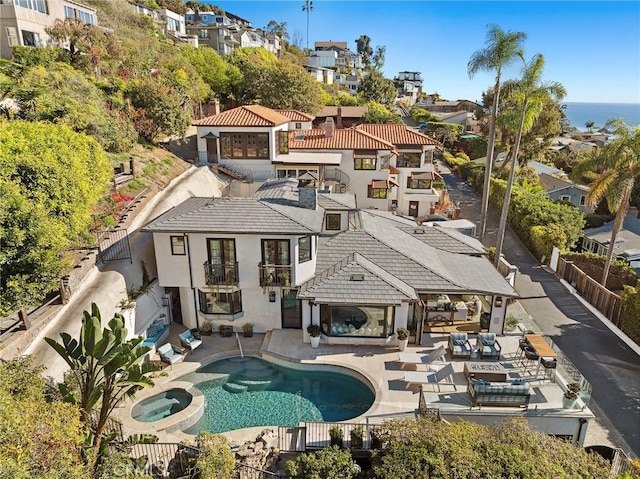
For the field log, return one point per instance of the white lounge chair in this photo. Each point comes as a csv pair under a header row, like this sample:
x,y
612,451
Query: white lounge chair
x,y
415,358
170,354
188,340
437,377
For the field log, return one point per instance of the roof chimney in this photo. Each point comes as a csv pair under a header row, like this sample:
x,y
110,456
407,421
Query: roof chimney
x,y
307,198
329,127
339,118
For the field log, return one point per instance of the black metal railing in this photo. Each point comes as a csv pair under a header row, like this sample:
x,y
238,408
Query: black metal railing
x,y
275,275
336,174
245,471
221,273
162,460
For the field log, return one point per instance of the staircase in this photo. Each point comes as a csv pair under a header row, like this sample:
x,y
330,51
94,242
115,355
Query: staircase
x,y
340,177
227,171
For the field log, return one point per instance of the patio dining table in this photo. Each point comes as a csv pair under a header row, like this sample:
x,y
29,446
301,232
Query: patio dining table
x,y
541,347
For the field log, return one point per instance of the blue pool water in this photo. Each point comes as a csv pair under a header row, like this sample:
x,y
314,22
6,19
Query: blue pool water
x,y
161,405
248,392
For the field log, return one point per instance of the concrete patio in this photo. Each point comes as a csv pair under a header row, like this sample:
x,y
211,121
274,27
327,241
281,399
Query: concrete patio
x,y
380,366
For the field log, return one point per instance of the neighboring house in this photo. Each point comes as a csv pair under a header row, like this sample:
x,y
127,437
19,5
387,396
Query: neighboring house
x,y
413,77
570,145
413,168
218,37
627,247
321,74
541,168
289,257
350,82
345,59
450,106
24,21
464,118
343,116
558,189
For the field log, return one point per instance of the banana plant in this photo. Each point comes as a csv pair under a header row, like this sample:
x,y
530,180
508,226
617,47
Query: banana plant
x,y
107,369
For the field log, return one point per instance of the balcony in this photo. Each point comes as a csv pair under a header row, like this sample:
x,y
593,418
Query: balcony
x,y
221,274
275,275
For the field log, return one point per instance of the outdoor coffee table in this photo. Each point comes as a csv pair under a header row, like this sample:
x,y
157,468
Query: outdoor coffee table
x,y
486,371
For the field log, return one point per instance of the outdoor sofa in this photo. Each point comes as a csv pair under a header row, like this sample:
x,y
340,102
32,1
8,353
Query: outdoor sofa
x,y
516,393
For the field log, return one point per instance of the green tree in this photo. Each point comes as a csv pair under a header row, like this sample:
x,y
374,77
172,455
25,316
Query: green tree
x,y
617,165
50,179
529,94
217,461
377,113
159,109
39,435
363,47
375,87
501,49
428,449
328,463
106,368
254,66
307,7
279,29
289,85
590,125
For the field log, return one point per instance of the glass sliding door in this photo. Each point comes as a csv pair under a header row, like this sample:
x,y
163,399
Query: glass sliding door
x,y
291,310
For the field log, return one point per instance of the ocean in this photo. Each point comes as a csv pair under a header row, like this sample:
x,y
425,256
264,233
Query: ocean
x,y
580,113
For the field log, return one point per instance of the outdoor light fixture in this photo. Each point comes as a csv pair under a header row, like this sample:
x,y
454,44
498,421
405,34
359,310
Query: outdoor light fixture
x,y
165,301
272,296
498,301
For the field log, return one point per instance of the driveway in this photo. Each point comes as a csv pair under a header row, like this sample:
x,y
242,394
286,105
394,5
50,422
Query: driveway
x,y
610,366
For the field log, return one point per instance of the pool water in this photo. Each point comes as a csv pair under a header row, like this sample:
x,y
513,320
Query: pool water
x,y
248,392
161,405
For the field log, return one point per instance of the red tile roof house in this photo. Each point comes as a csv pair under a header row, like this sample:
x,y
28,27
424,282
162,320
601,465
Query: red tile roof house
x,y
384,166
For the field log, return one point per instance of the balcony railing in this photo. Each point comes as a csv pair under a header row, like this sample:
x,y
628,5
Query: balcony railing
x,y
275,275
218,273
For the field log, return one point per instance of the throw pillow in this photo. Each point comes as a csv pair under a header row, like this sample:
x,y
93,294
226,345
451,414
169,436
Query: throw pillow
x,y
518,382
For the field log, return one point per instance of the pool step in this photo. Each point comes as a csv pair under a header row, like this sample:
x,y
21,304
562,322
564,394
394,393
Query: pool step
x,y
159,408
235,387
254,385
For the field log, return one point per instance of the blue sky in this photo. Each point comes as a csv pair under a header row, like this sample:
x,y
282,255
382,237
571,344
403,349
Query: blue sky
x,y
591,47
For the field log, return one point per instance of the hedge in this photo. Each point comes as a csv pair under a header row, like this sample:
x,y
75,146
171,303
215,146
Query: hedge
x,y
630,313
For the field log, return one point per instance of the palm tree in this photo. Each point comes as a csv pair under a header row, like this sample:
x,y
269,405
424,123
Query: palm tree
x,y
501,49
106,367
529,94
307,7
618,167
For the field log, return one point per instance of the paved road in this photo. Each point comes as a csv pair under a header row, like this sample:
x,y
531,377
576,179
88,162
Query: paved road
x,y
107,285
610,366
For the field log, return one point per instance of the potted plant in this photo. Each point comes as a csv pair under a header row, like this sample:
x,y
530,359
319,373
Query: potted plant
x,y
511,323
225,330
571,395
335,433
357,436
247,330
206,329
403,338
314,333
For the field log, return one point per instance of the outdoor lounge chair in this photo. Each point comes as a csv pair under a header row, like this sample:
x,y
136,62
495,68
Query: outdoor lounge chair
x,y
415,358
188,340
459,345
437,377
488,346
170,354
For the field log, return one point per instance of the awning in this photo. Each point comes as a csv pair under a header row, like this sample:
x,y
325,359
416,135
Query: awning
x,y
210,135
308,176
394,171
384,184
425,175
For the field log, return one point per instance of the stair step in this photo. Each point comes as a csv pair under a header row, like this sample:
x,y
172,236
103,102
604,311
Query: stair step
x,y
254,385
235,388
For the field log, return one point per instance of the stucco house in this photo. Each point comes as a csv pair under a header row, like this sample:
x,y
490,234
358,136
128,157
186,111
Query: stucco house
x,y
627,247
290,256
559,189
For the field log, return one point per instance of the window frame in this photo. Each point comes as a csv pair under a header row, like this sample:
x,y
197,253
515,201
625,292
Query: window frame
x,y
377,193
333,216
307,249
283,142
234,296
278,242
364,164
242,145
174,246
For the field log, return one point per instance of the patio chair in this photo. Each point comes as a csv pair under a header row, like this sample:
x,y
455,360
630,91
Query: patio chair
x,y
170,354
415,358
459,345
488,346
437,377
188,340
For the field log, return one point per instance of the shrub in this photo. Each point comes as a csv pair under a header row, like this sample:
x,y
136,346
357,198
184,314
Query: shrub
x,y
630,313
217,460
329,462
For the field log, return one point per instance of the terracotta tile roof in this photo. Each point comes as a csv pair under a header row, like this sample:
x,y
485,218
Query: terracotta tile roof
x,y
397,134
246,115
295,115
342,139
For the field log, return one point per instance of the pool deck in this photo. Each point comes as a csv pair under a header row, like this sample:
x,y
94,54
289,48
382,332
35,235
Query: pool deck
x,y
379,365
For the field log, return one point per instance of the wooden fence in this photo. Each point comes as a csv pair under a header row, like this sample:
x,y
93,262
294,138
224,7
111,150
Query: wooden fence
x,y
605,301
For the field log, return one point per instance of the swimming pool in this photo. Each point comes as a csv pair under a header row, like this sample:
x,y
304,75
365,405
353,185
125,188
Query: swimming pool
x,y
248,392
161,405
